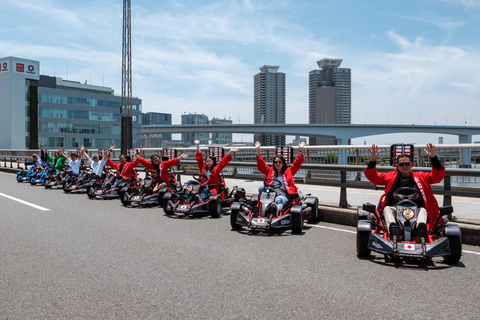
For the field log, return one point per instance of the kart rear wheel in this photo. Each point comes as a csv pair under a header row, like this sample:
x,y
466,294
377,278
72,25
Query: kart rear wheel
x,y
215,208
297,223
362,244
19,179
233,220
455,249
314,216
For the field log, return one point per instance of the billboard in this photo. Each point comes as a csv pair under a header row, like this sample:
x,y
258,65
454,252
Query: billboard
x,y
4,66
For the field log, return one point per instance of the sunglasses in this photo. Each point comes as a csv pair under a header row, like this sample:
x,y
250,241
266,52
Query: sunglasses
x,y
404,164
277,162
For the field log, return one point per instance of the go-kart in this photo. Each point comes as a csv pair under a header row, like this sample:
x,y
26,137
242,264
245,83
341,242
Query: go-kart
x,y
55,179
442,240
262,214
40,176
110,187
26,175
146,192
80,183
187,201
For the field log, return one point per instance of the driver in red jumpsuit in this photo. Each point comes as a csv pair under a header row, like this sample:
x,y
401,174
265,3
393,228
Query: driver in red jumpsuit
x,y
404,177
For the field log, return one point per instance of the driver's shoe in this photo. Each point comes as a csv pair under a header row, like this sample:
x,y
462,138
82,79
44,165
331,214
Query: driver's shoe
x,y
421,230
394,230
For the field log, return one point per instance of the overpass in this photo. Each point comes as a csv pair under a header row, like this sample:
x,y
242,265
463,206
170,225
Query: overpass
x,y
342,132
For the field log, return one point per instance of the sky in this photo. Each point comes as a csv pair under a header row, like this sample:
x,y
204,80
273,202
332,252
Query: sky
x,y
412,61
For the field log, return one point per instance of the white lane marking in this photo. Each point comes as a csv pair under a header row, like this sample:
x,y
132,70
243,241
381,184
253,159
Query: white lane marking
x,y
349,231
24,202
467,251
330,228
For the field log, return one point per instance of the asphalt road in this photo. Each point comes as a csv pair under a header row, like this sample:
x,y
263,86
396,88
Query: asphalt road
x,y
75,258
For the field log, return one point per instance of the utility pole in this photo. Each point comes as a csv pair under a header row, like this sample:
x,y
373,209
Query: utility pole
x,y
126,107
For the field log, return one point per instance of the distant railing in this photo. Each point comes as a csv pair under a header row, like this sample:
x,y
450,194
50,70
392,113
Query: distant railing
x,y
321,166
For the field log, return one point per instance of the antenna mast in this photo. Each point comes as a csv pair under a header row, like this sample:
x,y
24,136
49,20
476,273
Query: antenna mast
x,y
126,107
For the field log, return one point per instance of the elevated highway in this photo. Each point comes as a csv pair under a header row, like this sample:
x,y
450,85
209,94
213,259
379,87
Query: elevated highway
x,y
342,132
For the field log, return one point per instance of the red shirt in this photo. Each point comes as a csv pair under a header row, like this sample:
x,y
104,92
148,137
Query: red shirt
x,y
164,165
125,170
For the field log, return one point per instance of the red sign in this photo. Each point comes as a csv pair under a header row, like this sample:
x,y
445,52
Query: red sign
x,y
31,68
20,67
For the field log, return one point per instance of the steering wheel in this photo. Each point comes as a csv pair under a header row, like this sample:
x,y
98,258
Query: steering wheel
x,y
200,177
406,193
272,183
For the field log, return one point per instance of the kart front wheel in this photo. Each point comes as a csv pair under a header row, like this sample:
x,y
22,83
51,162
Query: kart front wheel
x,y
124,198
297,223
215,208
91,192
362,244
455,249
168,212
233,220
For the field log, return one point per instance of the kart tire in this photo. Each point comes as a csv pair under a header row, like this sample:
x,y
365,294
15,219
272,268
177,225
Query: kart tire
x,y
123,196
168,212
215,208
19,179
314,216
91,192
65,187
455,249
233,220
362,244
297,223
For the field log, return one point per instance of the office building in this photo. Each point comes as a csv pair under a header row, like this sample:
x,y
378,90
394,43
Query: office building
x,y
221,137
329,97
269,103
58,112
189,138
151,118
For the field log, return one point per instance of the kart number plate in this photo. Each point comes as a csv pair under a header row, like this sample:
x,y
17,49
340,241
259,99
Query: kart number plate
x,y
98,191
409,246
136,197
184,206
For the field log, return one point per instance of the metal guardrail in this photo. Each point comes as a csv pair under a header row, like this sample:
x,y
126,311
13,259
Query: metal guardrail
x,y
326,174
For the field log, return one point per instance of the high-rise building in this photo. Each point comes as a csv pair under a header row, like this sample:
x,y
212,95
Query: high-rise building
x,y
221,137
58,112
330,99
269,103
188,138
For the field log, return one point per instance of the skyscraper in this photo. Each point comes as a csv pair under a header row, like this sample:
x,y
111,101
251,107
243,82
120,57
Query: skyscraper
x,y
269,102
330,98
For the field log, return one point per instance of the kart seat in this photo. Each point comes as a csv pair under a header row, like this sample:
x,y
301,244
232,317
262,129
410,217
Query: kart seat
x,y
293,196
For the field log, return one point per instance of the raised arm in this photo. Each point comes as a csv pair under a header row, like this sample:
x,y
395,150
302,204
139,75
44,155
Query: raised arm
x,y
257,148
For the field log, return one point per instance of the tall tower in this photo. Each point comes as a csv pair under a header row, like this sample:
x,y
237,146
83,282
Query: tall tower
x,y
330,98
269,102
126,107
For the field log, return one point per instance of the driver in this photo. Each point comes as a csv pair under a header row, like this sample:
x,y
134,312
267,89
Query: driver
x,y
211,170
404,177
280,172
160,167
